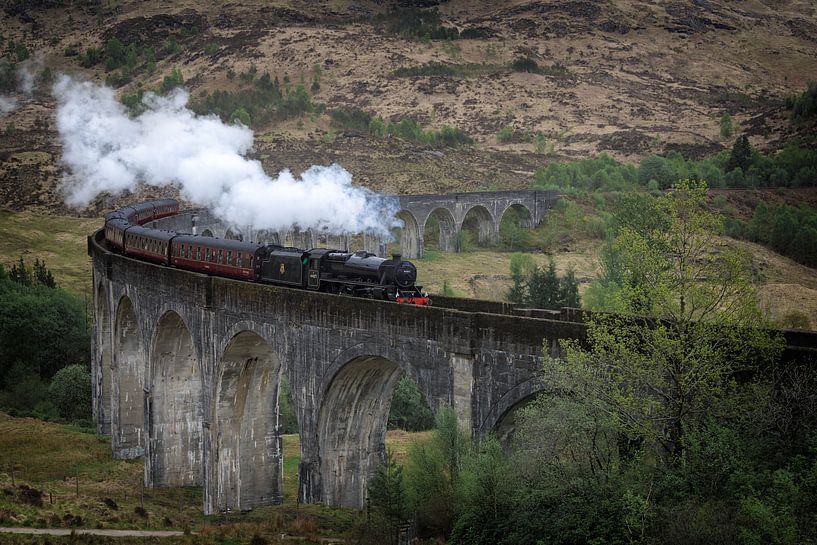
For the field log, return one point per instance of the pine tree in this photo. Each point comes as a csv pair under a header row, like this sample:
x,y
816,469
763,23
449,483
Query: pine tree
x,y
569,290
20,273
741,156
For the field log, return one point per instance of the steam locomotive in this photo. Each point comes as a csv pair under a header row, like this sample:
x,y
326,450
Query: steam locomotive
x,y
360,274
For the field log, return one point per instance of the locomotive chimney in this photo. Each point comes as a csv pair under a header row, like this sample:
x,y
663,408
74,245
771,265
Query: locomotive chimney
x,y
397,257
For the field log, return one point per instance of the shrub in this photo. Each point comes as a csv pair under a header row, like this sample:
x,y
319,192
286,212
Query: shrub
x,y
524,64
8,78
171,81
505,134
92,57
804,106
409,410
70,391
726,126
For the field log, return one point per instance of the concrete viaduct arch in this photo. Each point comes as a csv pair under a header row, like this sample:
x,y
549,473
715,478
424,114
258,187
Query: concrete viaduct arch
x,y
486,208
197,362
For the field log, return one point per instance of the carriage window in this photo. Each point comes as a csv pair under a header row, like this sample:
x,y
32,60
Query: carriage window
x,y
238,259
189,252
229,257
207,254
220,260
198,253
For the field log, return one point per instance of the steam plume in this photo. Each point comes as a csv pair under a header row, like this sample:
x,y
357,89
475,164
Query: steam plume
x,y
107,151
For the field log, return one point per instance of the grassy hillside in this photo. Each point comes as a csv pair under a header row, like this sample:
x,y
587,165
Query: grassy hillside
x,y
51,458
58,240
528,82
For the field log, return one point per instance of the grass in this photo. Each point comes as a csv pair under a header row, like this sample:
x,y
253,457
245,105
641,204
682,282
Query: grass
x,y
59,240
50,457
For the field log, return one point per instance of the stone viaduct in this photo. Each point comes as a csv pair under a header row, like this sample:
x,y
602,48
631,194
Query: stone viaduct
x,y
484,210
187,369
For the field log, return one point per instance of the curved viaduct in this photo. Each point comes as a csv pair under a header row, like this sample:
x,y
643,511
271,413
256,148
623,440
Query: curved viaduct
x,y
187,370
483,210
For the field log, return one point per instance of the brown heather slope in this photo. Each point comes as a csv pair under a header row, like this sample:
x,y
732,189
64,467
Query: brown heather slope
x,y
641,77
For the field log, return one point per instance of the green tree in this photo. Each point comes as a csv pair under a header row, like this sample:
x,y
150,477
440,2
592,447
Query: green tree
x,y
41,330
409,410
543,288
171,81
741,156
656,168
387,501
431,473
657,377
726,126
70,391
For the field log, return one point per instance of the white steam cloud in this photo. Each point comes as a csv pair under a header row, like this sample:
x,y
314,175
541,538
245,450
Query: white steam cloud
x,y
7,105
107,151
26,82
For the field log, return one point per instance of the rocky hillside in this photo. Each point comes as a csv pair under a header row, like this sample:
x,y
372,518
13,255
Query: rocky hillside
x,y
530,82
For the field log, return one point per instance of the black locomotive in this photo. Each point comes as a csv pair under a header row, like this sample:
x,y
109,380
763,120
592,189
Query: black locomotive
x,y
360,274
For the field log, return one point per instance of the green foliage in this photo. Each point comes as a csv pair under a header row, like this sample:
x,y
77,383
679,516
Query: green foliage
x,y
505,134
435,68
29,298
241,115
262,103
387,502
804,107
286,412
92,57
524,64
726,127
669,271
359,121
513,233
416,23
211,48
431,473
789,230
8,78
537,287
794,166
409,410
171,81
70,392
741,156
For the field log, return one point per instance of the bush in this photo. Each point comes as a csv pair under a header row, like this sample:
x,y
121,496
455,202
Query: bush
x,y
416,23
8,78
726,126
804,106
505,134
409,410
42,329
70,392
524,64
171,81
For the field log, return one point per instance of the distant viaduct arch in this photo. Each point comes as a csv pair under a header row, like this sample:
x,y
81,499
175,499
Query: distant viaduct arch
x,y
485,209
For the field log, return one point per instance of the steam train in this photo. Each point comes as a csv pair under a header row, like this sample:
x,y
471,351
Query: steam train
x,y
361,274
